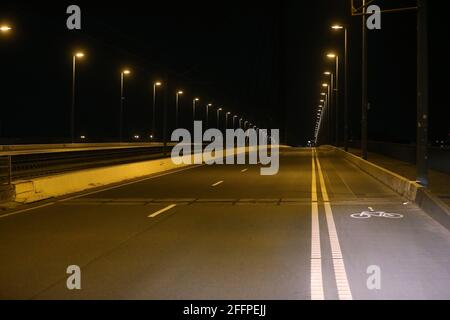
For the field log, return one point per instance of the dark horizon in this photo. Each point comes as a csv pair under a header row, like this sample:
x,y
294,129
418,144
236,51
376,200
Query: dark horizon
x,y
260,60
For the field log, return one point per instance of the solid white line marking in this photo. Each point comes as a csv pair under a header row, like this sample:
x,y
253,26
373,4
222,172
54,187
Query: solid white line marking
x,y
245,170
98,191
340,274
316,255
157,213
217,183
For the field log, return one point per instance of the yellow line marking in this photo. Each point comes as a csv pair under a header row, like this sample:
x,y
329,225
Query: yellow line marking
x,y
340,274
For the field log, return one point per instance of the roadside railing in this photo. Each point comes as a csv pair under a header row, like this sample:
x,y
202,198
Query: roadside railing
x,y
5,170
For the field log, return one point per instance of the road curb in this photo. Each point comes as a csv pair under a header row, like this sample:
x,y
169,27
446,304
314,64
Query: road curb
x,y
411,190
47,187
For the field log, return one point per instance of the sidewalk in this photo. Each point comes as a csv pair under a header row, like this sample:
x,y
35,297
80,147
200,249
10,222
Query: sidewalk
x,y
439,182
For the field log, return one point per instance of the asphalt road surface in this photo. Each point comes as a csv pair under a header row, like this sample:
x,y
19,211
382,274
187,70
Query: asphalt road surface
x,y
226,232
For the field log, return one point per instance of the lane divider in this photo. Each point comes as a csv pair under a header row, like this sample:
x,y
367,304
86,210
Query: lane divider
x,y
340,274
157,213
316,254
217,183
245,170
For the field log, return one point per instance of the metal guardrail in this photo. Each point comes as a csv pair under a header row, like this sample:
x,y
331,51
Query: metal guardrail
x,y
32,165
5,170
438,157
25,166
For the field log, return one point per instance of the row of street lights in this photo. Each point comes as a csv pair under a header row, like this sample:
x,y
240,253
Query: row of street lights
x,y
330,100
156,85
4,29
422,88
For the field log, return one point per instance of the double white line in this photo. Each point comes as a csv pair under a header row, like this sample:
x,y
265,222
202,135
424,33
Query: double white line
x,y
343,287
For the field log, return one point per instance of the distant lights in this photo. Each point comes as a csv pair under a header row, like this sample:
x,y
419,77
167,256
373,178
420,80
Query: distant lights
x,y
5,28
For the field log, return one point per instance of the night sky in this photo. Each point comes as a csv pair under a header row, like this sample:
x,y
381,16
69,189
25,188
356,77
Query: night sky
x,y
262,60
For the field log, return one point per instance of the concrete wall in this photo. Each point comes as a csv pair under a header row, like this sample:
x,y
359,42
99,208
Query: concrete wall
x,y
63,184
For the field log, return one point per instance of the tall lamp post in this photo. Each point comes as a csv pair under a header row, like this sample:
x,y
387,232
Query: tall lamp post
x,y
422,92
77,55
324,107
122,99
336,89
194,105
218,118
328,106
209,105
364,94
226,120
342,27
155,85
234,122
177,102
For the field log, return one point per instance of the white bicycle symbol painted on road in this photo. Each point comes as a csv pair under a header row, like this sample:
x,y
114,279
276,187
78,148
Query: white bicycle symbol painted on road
x,y
376,214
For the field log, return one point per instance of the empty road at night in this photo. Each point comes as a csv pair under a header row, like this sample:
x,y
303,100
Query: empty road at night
x,y
316,230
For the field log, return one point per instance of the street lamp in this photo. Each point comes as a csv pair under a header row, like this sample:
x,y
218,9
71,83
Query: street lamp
x,y
194,104
338,28
209,105
155,84
177,101
5,28
76,55
226,120
336,105
240,123
234,122
330,98
218,117
122,98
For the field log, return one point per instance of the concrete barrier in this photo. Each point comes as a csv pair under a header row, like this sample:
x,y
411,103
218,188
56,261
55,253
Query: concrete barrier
x,y
42,188
411,190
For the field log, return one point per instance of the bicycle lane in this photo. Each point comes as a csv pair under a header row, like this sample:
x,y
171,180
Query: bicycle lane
x,y
385,258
